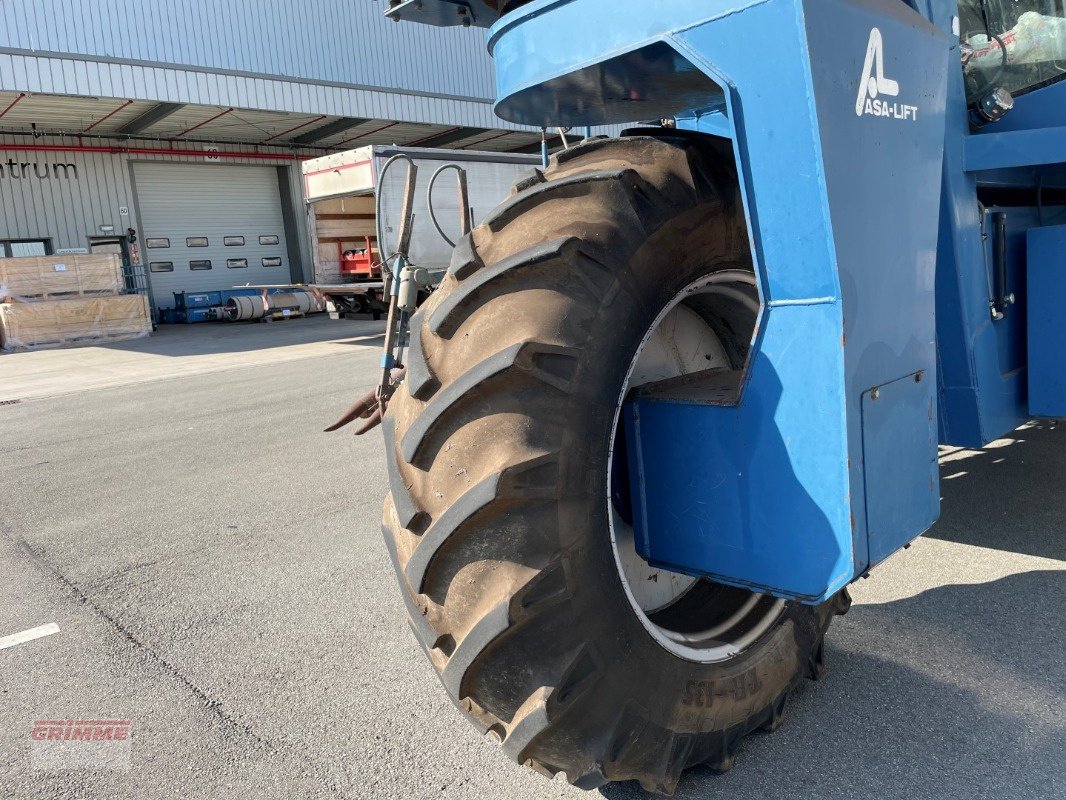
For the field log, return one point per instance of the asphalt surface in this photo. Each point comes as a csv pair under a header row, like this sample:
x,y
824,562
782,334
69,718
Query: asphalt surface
x,y
216,568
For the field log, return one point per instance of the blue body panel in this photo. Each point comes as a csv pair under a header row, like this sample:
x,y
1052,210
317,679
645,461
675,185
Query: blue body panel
x,y
1046,285
189,316
869,199
900,458
845,256
984,395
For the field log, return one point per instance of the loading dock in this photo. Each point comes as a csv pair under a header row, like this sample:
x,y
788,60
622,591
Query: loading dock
x,y
207,227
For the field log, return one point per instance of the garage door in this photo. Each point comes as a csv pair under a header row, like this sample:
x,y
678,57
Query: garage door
x,y
207,227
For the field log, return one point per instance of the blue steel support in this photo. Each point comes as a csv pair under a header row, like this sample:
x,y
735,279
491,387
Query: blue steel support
x,y
842,209
1046,283
983,374
852,137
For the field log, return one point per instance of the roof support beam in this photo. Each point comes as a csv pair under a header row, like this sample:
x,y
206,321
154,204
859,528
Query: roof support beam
x,y
296,128
156,113
553,142
329,129
205,122
480,142
447,137
364,134
108,116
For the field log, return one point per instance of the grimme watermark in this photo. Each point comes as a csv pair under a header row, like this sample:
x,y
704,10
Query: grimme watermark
x,y
80,744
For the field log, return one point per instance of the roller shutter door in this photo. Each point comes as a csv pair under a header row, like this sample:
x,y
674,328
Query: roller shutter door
x,y
210,226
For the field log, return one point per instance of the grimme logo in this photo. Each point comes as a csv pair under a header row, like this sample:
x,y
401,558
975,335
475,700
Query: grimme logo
x,y
873,85
62,744
84,730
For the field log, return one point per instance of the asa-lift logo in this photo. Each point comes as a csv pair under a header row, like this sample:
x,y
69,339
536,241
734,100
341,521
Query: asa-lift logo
x,y
874,86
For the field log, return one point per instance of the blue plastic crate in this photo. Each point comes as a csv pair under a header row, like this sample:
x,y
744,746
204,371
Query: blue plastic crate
x,y
186,300
191,315
169,316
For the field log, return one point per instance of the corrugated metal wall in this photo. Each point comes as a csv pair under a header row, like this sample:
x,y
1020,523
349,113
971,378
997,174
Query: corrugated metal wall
x,y
319,56
66,196
204,223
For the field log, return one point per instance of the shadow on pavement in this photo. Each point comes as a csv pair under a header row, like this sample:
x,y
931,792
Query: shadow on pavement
x,y
1009,497
980,715
957,692
210,338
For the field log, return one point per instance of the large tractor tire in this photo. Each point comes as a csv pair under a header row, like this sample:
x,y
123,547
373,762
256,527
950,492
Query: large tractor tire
x,y
625,261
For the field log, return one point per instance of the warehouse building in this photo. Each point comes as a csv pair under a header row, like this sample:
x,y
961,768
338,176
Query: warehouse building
x,y
172,133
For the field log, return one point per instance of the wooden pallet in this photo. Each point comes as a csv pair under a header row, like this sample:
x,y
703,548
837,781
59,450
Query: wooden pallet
x,y
62,276
36,298
76,341
55,323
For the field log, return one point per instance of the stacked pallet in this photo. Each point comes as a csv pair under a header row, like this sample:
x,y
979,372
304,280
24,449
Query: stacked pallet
x,y
59,277
51,301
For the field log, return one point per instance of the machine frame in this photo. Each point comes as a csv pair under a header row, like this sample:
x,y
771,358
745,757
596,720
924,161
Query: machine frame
x,y
851,259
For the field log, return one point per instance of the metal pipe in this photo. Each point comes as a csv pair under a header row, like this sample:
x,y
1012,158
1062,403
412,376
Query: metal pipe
x,y
379,218
466,211
205,122
407,212
431,136
395,323
295,128
244,307
367,133
162,151
464,202
14,103
108,116
131,138
489,139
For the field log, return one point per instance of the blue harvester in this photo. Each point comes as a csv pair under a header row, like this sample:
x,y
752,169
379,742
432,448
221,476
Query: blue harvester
x,y
688,382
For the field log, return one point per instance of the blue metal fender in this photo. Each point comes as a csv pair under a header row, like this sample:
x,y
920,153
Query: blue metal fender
x,y
836,110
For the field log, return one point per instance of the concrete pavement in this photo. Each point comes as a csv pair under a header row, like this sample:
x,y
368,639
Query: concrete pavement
x,y
215,565
176,351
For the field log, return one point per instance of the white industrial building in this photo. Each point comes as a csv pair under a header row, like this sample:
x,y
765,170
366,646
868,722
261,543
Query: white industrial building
x,y
173,132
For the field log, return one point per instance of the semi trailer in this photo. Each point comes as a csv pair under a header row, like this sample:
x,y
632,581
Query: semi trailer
x,y
686,384
352,196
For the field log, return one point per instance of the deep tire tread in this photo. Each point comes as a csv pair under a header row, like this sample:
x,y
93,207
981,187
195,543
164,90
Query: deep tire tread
x,y
478,626
465,260
521,356
489,626
449,314
572,186
406,510
469,504
421,382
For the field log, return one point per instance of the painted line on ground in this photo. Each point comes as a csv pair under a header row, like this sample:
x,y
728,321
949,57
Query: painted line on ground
x,y
28,635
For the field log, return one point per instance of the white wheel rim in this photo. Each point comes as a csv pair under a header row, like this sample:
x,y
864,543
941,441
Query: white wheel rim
x,y
679,342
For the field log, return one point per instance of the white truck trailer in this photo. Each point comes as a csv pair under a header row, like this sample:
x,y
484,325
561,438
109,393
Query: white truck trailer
x,y
344,190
